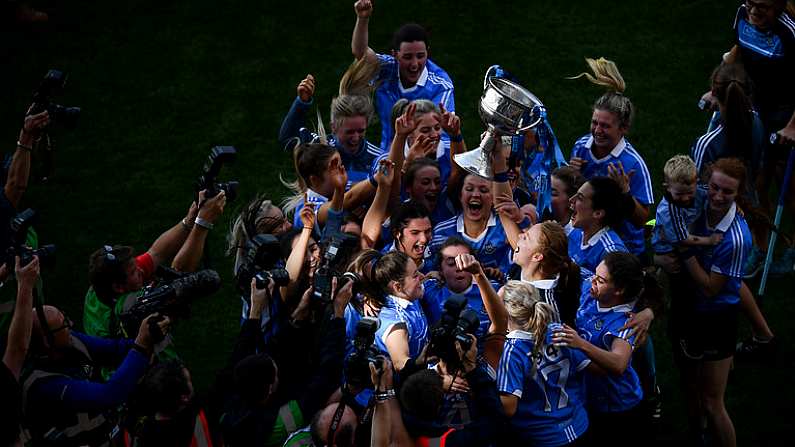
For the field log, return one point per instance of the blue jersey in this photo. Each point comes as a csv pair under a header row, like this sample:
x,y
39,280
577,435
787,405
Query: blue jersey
x,y
639,182
490,247
317,200
714,145
437,293
410,314
551,392
433,84
600,326
726,258
552,293
672,222
588,254
769,58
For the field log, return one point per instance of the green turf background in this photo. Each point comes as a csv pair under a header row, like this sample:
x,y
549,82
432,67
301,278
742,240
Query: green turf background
x,y
161,82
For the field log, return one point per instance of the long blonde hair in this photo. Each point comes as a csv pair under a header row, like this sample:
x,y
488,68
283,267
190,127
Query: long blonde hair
x,y
606,74
355,92
528,311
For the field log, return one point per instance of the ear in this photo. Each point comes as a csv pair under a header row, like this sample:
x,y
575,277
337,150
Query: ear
x,y
598,214
394,286
537,257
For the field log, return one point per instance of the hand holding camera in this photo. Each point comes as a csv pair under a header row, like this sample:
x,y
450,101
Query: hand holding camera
x,y
260,296
33,127
469,356
210,209
152,330
26,274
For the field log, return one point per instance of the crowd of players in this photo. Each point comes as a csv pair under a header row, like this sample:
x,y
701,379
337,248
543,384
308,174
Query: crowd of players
x,y
427,305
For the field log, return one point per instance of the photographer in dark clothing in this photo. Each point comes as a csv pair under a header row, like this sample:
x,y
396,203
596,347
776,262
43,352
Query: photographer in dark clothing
x,y
64,400
254,410
421,398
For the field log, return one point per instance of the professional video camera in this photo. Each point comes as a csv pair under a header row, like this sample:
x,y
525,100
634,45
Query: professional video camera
x,y
337,252
207,180
19,226
171,296
357,369
456,324
259,261
53,85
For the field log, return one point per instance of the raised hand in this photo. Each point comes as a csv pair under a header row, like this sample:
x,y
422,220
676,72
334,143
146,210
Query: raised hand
x,y
363,8
405,123
616,172
468,263
306,89
450,122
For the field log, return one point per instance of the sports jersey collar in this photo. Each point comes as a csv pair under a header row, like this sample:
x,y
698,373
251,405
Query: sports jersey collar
x,y
594,239
626,307
726,222
520,334
310,194
400,302
420,82
616,152
465,291
459,227
544,284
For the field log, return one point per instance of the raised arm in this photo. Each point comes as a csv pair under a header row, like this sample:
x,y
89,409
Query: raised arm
x,y
295,262
377,214
19,171
190,254
359,41
22,323
503,196
167,245
296,116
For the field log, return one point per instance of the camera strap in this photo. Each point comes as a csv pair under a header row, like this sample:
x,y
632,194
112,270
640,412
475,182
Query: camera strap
x,y
335,423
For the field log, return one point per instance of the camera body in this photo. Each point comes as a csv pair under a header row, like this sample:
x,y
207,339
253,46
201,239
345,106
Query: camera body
x,y
260,257
357,363
19,226
332,265
219,155
53,85
456,324
172,296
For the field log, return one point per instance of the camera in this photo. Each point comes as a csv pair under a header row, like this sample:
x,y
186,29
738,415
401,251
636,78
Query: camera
x,y
172,296
19,227
53,85
207,180
260,257
357,363
455,325
332,265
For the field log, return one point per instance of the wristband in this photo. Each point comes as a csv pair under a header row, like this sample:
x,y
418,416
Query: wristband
x,y
142,350
385,395
206,224
501,177
457,138
22,146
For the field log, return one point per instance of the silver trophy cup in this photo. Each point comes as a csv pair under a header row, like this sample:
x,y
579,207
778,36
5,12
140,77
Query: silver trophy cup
x,y
507,109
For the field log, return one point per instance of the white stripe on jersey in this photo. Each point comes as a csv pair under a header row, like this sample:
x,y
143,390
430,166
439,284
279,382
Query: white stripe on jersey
x,y
549,298
679,221
503,366
644,169
445,98
608,242
788,23
737,16
373,149
438,80
737,252
701,145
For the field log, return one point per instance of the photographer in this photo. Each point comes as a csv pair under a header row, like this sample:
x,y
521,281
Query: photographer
x,y
65,402
16,350
117,276
255,409
421,398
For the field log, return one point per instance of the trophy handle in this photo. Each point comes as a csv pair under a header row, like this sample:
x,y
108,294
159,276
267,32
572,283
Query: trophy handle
x,y
489,74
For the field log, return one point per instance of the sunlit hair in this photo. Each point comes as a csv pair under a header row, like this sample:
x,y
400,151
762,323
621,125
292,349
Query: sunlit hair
x,y
680,169
364,265
250,222
528,311
355,92
309,159
606,74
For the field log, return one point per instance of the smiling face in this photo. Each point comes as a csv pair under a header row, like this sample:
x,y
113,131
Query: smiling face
x,y
583,214
426,186
602,287
413,239
410,287
722,191
605,130
528,248
411,58
351,132
762,14
476,198
456,280
429,125
682,194
560,200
